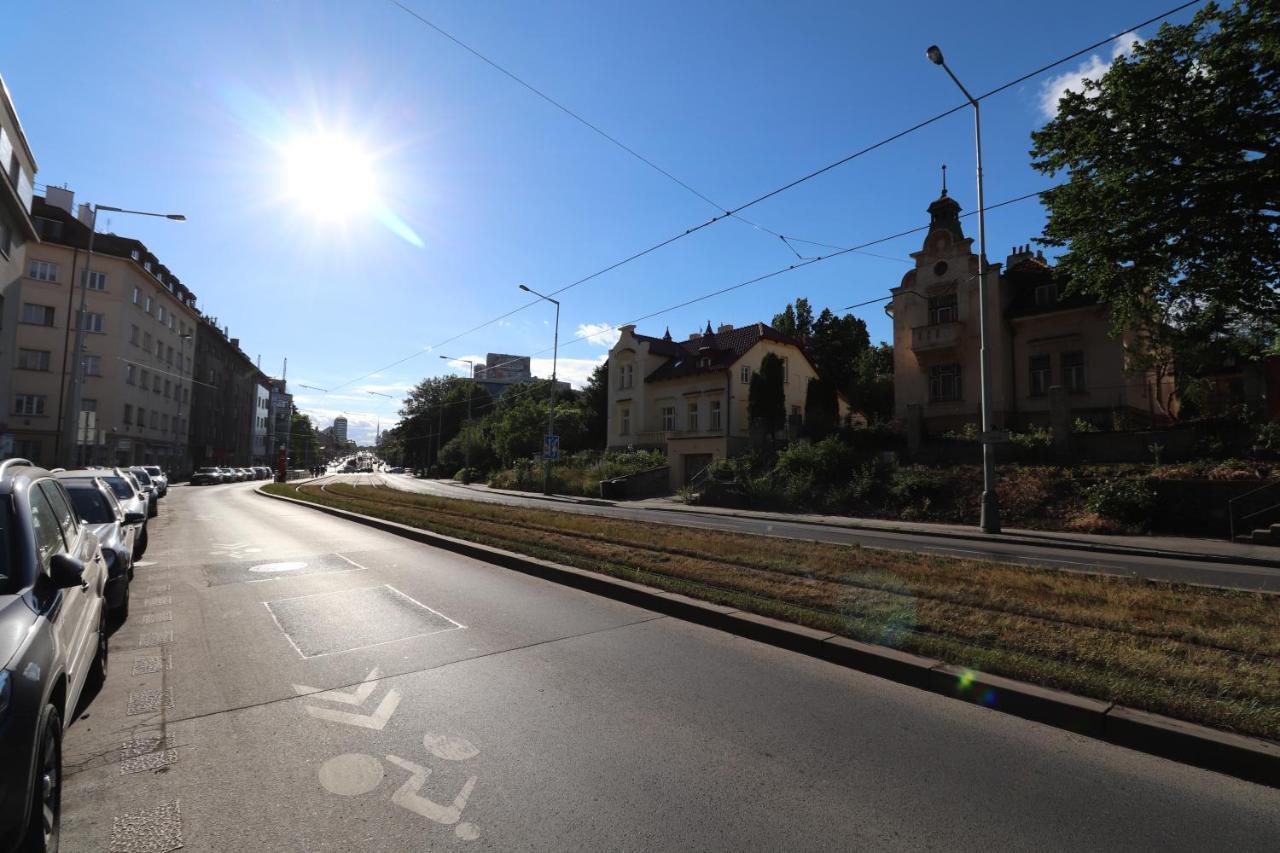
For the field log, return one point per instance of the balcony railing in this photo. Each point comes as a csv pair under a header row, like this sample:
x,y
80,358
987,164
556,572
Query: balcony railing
x,y
939,336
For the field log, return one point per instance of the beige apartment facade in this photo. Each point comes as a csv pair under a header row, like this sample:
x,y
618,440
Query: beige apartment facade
x,y
139,324
1039,338
17,231
689,398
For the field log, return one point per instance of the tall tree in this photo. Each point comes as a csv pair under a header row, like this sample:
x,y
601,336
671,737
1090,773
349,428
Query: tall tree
x,y
821,408
796,320
835,346
766,396
595,408
1171,208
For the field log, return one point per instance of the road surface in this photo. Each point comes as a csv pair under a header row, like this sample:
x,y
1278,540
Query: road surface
x,y
1228,575
292,681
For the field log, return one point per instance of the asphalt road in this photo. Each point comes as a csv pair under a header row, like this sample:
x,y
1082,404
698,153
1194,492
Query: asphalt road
x,y
292,681
1227,575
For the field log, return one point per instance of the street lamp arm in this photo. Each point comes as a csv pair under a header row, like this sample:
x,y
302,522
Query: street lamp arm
x,y
176,217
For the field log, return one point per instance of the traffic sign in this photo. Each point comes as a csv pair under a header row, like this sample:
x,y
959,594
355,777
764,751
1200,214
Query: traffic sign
x,y
551,447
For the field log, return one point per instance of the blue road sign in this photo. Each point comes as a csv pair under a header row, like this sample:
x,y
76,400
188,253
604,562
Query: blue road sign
x,y
551,447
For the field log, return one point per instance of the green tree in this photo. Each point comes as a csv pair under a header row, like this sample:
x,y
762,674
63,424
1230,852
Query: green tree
x,y
796,320
872,388
1171,208
595,408
821,408
766,396
304,447
835,347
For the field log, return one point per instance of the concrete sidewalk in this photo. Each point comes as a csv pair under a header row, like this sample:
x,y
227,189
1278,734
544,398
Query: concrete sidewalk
x,y
1166,547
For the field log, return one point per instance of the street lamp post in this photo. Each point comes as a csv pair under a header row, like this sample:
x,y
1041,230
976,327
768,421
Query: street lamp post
x,y
466,459
551,407
990,520
71,420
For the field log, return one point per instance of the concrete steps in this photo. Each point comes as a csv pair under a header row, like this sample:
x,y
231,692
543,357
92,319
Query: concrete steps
x,y
1261,536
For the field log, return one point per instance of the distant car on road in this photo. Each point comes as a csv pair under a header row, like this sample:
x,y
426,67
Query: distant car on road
x,y
206,477
160,478
53,645
98,507
396,470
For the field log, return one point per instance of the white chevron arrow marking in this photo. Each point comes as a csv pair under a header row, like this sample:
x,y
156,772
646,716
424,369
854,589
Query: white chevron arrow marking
x,y
362,692
376,721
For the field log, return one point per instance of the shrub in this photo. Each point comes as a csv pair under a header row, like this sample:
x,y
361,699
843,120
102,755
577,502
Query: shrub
x,y
1267,439
1129,501
1033,438
969,432
1081,425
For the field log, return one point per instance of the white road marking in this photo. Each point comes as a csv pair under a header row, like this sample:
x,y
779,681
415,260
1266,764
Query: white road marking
x,y
351,774
449,748
271,568
406,796
352,562
362,691
376,721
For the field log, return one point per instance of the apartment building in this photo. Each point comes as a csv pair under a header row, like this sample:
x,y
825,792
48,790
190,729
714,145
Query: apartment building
x,y
139,323
227,425
1040,338
17,231
689,398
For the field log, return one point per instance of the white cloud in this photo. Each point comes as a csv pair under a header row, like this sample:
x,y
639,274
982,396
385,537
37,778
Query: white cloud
x,y
575,371
599,334
1092,68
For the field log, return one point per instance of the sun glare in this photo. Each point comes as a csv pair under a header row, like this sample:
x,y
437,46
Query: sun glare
x,y
331,176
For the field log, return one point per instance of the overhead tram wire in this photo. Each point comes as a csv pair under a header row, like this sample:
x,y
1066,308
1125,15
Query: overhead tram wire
x,y
756,280
784,188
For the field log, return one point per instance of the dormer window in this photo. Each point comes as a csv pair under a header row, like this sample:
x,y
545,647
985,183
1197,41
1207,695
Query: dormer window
x,y
135,254
1046,295
146,265
705,361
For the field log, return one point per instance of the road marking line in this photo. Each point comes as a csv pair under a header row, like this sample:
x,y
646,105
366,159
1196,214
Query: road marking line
x,y
376,721
362,691
423,606
352,562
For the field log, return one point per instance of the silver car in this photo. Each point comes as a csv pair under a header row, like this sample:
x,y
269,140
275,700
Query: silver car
x,y
148,488
115,528
132,499
159,477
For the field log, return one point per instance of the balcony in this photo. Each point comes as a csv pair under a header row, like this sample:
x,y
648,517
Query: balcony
x,y
938,337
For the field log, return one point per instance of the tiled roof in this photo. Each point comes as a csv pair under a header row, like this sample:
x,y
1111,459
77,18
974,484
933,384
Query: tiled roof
x,y
722,349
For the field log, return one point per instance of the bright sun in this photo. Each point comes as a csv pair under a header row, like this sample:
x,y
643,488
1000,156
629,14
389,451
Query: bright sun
x,y
330,175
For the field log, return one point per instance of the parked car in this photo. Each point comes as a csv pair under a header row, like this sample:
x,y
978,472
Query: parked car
x,y
229,475
160,478
53,644
148,488
207,477
132,500
262,472
98,507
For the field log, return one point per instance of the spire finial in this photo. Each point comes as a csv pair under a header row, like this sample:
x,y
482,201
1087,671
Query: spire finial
x,y
944,180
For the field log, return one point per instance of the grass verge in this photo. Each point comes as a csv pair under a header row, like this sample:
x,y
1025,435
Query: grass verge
x,y
1206,656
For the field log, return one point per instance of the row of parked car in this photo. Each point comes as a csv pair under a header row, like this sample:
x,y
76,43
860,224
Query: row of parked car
x,y
214,476
68,544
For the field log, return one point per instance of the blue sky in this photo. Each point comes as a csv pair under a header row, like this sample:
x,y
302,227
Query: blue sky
x,y
480,185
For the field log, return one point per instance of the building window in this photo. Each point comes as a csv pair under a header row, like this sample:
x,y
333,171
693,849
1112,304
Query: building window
x,y
1041,375
1046,295
155,419
160,313
27,448
93,365
1072,364
135,254
944,383
168,356
626,375
186,395
137,295
96,280
746,374
128,415
668,418
159,349
146,341
43,270
130,374
146,304
28,404
146,379
40,315
133,334
87,405
142,418
942,309
692,414
714,416
91,322
33,359
168,387
786,369
624,427
155,383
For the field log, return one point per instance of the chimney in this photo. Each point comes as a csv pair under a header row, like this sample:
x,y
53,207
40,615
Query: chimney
x,y
235,342
60,198
724,327
1018,253
85,215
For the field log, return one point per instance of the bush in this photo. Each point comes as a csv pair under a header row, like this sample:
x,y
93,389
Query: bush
x,y
1081,425
1267,439
1036,437
807,470
1129,501
969,432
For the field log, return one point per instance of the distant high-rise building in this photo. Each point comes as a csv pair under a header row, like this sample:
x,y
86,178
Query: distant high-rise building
x,y
340,431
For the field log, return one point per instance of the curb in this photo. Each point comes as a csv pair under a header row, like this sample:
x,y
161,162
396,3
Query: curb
x,y
1244,757
1014,539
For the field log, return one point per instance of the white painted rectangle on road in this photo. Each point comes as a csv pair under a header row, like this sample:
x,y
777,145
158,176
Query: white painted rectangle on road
x,y
327,623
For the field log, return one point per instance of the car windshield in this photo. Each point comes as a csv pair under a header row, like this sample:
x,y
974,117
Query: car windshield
x,y
91,504
153,470
120,486
143,477
209,471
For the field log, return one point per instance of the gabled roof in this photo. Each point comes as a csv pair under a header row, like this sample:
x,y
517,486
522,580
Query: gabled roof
x,y
1030,272
711,352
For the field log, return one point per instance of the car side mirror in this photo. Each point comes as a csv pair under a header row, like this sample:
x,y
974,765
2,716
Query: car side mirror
x,y
65,571
134,517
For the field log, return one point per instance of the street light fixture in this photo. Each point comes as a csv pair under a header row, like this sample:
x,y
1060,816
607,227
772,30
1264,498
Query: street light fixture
x,y
990,520
551,408
76,392
466,459
312,387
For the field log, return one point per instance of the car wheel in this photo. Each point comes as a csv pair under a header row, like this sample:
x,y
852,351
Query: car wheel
x,y
45,824
98,669
142,543
122,610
